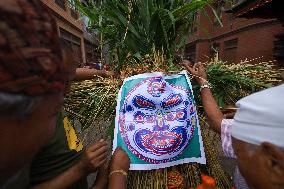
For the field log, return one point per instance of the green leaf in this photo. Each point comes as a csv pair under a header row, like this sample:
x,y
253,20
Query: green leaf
x,y
216,16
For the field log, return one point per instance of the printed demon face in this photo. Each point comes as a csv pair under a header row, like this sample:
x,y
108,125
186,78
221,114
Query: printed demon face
x,y
157,120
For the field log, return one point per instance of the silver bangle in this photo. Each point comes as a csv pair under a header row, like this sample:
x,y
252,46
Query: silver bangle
x,y
205,86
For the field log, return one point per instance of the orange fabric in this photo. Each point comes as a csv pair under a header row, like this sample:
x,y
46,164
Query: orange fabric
x,y
207,183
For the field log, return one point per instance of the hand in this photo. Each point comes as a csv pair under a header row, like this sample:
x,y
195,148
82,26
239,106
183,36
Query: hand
x,y
94,157
109,74
120,160
197,70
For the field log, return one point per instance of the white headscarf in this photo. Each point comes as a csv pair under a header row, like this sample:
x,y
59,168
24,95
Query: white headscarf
x,y
260,117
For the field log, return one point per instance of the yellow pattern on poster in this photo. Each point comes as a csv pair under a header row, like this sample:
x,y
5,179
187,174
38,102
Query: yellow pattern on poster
x,y
73,142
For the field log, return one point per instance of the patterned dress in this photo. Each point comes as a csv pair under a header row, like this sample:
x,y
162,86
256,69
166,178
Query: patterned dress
x,y
226,138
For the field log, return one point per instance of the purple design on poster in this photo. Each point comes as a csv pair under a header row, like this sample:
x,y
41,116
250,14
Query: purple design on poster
x,y
157,127
170,116
181,114
150,118
156,86
131,127
139,117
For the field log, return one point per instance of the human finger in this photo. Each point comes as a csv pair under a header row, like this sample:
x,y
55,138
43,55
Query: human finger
x,y
96,153
120,154
187,62
189,69
199,66
97,145
99,158
102,156
118,151
101,163
100,151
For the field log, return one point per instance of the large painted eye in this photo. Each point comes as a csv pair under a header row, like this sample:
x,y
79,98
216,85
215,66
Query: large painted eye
x,y
171,101
142,102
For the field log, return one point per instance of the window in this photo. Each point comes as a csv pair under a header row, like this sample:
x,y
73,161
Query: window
x,y
61,3
74,14
74,41
231,44
92,53
230,52
73,10
69,36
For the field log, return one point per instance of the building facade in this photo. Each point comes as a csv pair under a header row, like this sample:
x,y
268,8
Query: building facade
x,y
72,29
237,40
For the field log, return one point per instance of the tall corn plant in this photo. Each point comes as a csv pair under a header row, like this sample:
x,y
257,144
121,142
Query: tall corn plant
x,y
135,27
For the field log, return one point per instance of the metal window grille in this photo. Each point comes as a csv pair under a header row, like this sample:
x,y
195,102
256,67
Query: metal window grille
x,y
231,44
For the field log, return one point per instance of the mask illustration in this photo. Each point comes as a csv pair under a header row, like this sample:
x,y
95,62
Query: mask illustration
x,y
157,120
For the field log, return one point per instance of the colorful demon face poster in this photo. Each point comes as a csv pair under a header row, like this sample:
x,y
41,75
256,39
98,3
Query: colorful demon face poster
x,y
157,123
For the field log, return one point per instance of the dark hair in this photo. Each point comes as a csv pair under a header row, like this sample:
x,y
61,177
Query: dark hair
x,y
18,105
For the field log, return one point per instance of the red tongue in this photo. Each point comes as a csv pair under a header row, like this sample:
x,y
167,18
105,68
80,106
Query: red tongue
x,y
161,142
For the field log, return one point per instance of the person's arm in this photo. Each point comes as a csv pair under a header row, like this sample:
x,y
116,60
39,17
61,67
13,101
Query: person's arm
x,y
101,178
211,108
120,162
94,157
117,181
85,73
64,180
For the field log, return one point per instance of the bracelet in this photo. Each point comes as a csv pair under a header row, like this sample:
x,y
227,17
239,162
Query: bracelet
x,y
118,171
205,86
